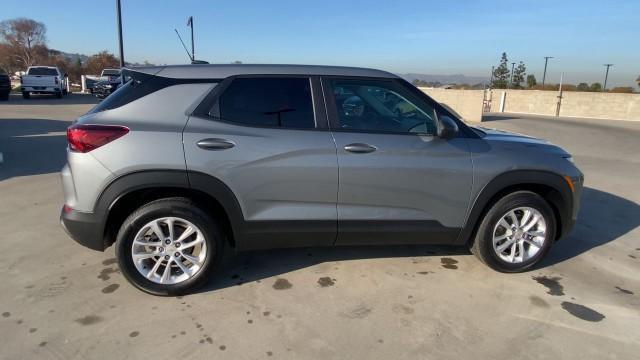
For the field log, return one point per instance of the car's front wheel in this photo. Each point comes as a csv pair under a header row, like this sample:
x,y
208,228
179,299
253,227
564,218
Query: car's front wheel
x,y
169,247
516,232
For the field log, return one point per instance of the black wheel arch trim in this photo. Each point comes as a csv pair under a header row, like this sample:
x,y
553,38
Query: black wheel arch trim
x,y
152,179
524,178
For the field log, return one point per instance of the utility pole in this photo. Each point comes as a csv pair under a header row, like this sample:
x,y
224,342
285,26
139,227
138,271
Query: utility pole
x,y
606,76
119,16
491,80
511,80
190,24
544,75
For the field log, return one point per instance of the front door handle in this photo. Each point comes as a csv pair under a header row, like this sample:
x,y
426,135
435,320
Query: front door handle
x,y
359,148
215,144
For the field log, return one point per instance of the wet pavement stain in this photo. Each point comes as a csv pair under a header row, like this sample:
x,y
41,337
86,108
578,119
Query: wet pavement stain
x,y
426,272
134,334
632,256
551,283
32,330
449,263
582,312
403,309
43,344
108,262
282,284
209,339
538,301
266,313
89,320
6,314
380,341
269,353
250,321
359,312
326,281
104,274
625,291
222,348
110,288
20,321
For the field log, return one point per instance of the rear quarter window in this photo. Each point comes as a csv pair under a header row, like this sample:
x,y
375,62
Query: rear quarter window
x,y
42,71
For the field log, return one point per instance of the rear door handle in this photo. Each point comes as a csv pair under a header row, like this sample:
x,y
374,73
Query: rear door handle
x,y
359,148
215,144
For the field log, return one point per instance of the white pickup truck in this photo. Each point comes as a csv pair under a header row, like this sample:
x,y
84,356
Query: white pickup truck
x,y
44,80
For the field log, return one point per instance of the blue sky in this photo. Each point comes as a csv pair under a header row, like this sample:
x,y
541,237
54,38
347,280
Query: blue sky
x,y
422,36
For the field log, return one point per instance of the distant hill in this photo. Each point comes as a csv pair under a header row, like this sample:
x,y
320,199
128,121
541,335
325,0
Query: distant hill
x,y
69,56
445,79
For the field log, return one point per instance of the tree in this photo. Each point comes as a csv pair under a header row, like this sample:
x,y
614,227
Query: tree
x,y
583,87
622,89
501,73
596,86
518,75
102,60
24,43
531,81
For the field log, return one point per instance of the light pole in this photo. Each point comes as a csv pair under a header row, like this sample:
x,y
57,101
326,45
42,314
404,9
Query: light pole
x,y
544,75
511,80
119,16
606,76
190,24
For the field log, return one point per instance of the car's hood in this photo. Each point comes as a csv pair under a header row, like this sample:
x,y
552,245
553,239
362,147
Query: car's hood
x,y
521,139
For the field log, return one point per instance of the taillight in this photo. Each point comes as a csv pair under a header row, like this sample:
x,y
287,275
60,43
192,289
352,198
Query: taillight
x,y
84,138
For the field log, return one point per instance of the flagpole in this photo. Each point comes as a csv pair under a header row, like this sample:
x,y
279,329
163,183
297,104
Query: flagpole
x,y
193,52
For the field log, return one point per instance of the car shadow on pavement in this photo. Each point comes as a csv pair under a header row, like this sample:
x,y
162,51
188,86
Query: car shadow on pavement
x,y
32,146
46,99
603,218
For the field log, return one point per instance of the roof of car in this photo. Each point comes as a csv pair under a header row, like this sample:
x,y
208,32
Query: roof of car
x,y
202,71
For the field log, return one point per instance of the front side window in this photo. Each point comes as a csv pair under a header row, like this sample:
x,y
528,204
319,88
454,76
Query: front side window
x,y
381,106
272,102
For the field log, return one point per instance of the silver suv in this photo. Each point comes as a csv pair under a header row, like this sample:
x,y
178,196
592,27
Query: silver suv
x,y
183,162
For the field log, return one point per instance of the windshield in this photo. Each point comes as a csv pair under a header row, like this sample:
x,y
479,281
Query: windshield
x,y
43,71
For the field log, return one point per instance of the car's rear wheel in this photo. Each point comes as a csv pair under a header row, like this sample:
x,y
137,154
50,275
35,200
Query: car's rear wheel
x,y
516,232
4,96
169,247
59,94
26,95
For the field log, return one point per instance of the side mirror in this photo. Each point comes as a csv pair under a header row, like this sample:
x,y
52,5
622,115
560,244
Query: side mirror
x,y
447,127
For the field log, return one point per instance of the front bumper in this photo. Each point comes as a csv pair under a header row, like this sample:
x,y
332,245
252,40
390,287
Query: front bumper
x,y
84,228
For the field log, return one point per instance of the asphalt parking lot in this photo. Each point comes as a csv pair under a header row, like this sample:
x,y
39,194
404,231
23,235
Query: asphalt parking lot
x,y
62,301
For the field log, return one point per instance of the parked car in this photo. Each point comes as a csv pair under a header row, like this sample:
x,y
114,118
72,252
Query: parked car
x,y
102,89
5,86
110,74
43,80
183,162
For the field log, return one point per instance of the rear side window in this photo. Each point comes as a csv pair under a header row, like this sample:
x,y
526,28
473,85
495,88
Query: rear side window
x,y
271,102
42,71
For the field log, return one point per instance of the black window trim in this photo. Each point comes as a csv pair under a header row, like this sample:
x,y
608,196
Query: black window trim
x,y
332,110
317,100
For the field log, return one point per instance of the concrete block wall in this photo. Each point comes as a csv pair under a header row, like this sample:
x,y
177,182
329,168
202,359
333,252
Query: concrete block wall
x,y
468,103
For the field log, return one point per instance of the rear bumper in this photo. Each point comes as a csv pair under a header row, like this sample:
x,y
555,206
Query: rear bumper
x,y
84,228
40,89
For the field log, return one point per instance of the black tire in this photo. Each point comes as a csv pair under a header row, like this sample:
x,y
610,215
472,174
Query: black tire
x,y
177,207
59,94
482,246
65,92
4,96
26,95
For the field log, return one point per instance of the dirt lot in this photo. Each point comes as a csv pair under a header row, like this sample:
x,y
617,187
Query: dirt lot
x,y
62,301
